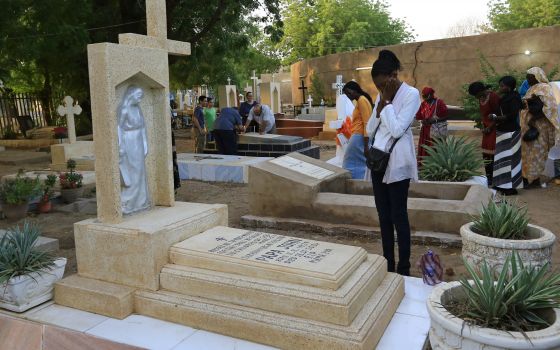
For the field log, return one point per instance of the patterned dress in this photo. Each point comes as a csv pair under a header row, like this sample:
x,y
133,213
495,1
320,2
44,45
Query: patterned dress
x,y
535,153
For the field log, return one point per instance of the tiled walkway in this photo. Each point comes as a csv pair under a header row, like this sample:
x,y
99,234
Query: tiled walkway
x,y
54,327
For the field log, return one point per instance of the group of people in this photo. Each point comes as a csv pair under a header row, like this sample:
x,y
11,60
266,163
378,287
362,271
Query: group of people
x,y
222,127
518,130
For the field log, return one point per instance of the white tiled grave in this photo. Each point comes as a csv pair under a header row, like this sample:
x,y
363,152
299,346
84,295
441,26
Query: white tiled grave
x,y
408,328
215,167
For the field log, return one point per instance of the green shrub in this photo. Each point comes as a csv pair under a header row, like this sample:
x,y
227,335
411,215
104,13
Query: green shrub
x,y
503,220
19,190
18,254
512,300
452,159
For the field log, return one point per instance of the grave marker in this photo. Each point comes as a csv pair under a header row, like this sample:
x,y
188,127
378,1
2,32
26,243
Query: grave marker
x,y
69,109
338,85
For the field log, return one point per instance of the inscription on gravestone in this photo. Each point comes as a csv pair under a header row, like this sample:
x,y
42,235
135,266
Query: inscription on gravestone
x,y
302,167
271,248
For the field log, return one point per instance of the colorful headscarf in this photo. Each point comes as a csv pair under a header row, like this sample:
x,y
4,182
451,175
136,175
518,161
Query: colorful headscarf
x,y
428,91
539,74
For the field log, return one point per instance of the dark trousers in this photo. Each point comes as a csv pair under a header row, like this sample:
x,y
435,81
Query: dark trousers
x,y
488,166
226,141
391,202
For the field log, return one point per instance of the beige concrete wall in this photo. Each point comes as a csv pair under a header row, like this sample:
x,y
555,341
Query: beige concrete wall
x,y
445,64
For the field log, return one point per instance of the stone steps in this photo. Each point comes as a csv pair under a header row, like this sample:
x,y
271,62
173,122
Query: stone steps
x,y
282,331
338,307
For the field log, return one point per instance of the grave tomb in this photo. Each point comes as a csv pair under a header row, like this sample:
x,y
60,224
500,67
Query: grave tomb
x,y
216,167
303,128
269,145
299,187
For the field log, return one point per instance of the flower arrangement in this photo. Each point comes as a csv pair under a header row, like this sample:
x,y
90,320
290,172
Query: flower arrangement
x,y
70,179
48,186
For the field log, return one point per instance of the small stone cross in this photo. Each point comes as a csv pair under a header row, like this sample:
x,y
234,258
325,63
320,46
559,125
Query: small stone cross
x,y
255,80
338,85
229,81
310,101
69,109
273,77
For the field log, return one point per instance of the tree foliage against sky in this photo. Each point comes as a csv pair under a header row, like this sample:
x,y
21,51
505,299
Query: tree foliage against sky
x,y
321,27
518,14
43,43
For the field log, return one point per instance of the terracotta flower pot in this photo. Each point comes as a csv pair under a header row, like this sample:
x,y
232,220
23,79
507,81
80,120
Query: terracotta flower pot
x,y
70,195
44,206
14,212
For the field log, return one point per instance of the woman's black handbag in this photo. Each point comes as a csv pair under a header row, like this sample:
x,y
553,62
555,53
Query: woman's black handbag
x,y
531,135
376,159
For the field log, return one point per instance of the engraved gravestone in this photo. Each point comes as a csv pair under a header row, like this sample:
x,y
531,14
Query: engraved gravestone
x,y
260,254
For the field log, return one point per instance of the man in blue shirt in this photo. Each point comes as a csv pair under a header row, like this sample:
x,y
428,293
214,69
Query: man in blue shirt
x,y
199,128
227,122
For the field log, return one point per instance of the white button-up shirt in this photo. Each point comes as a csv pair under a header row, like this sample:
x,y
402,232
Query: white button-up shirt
x,y
395,119
266,115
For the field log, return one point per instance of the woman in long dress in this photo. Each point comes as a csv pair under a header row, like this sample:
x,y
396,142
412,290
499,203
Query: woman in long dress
x,y
133,148
535,153
433,110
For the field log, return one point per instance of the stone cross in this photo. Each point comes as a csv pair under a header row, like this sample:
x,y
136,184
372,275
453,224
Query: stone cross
x,y
302,88
255,80
69,109
273,77
229,81
338,85
310,101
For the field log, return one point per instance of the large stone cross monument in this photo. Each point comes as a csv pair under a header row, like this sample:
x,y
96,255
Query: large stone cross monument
x,y
69,109
142,61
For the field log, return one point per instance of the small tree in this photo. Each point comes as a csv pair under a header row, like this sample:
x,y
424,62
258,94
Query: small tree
x,y
317,89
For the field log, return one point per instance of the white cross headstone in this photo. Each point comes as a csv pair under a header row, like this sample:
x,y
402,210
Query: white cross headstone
x,y
338,85
229,81
310,101
69,109
273,77
255,80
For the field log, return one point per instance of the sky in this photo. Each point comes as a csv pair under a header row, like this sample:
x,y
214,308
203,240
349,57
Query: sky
x,y
431,19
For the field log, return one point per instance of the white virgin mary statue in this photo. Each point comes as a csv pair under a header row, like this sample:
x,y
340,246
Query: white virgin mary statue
x,y
133,148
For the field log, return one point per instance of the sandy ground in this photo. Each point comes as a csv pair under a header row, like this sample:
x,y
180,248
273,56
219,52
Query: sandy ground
x,y
543,204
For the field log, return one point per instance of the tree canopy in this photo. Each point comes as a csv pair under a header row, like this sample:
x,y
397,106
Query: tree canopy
x,y
43,43
321,27
518,14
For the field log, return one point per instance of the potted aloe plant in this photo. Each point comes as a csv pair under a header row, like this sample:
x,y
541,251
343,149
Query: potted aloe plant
x,y
27,273
451,159
501,228
70,183
515,309
45,204
16,193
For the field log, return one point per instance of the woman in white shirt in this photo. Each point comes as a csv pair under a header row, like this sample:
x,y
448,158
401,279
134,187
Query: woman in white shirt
x,y
395,109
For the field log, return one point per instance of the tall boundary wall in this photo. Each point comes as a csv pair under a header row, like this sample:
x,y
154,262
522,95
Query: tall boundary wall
x,y
446,64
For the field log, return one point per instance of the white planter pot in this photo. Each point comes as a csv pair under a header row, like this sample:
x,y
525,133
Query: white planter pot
x,y
24,292
535,251
448,332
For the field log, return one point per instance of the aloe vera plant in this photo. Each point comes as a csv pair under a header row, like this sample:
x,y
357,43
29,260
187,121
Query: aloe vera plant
x,y
452,159
18,254
511,300
504,220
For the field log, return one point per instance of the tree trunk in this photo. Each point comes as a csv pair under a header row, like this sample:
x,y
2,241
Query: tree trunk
x,y
46,99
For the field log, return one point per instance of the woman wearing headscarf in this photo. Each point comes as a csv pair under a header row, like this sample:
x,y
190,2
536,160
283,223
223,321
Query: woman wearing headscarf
x,y
354,159
433,111
489,103
541,113
507,160
395,108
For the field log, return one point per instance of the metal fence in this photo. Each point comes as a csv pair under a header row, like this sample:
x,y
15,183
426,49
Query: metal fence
x,y
14,105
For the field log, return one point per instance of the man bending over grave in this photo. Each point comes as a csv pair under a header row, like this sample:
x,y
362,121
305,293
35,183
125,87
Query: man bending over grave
x,y
264,117
199,128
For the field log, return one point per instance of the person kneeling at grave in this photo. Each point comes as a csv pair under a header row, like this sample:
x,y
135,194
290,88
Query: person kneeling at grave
x,y
264,117
224,130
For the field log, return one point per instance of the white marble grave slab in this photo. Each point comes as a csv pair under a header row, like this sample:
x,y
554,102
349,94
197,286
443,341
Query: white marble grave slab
x,y
266,255
302,167
216,167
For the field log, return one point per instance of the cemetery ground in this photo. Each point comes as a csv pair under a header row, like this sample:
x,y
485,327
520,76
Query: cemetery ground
x,y
543,205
